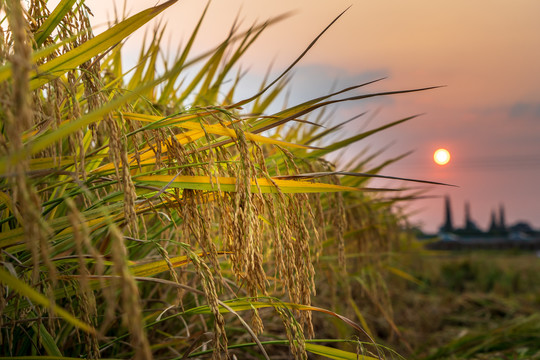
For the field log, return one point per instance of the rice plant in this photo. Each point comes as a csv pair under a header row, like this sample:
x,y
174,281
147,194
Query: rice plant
x,y
149,213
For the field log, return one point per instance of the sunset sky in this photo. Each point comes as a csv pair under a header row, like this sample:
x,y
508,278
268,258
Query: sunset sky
x,y
485,53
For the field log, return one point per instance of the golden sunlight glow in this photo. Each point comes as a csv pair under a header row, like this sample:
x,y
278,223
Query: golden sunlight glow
x,y
441,157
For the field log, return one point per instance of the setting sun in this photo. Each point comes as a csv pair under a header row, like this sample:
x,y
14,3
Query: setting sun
x,y
441,156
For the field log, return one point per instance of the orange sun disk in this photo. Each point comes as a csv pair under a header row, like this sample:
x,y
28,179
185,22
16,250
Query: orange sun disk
x,y
441,156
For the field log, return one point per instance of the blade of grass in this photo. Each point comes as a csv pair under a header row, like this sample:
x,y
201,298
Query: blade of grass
x,y
341,144
47,340
94,46
404,275
47,139
25,290
309,176
5,70
52,21
228,184
250,99
337,354
159,266
168,90
216,129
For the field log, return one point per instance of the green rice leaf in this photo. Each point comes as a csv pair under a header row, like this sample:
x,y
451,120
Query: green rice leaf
x,y
341,144
52,21
332,353
348,173
216,129
25,290
95,46
5,70
228,184
159,266
39,357
47,340
404,275
68,128
11,237
169,89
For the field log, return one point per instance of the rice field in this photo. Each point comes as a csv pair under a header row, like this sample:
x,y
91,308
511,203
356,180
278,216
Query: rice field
x,y
471,305
151,213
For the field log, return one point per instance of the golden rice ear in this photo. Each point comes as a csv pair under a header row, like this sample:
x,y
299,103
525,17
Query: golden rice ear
x,y
130,297
210,291
18,117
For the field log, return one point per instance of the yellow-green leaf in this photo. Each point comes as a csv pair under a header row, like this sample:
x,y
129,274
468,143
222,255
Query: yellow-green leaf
x,y
7,201
41,142
360,317
94,46
228,184
216,129
39,357
50,163
160,266
219,129
332,353
404,275
46,339
11,237
5,70
25,290
52,21
147,155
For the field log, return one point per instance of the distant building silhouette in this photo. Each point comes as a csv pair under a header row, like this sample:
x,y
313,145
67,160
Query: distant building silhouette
x,y
499,235
521,227
470,226
493,225
447,226
468,221
502,220
497,226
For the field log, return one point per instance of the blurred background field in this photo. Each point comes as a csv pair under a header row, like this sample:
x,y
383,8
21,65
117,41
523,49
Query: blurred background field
x,y
463,305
